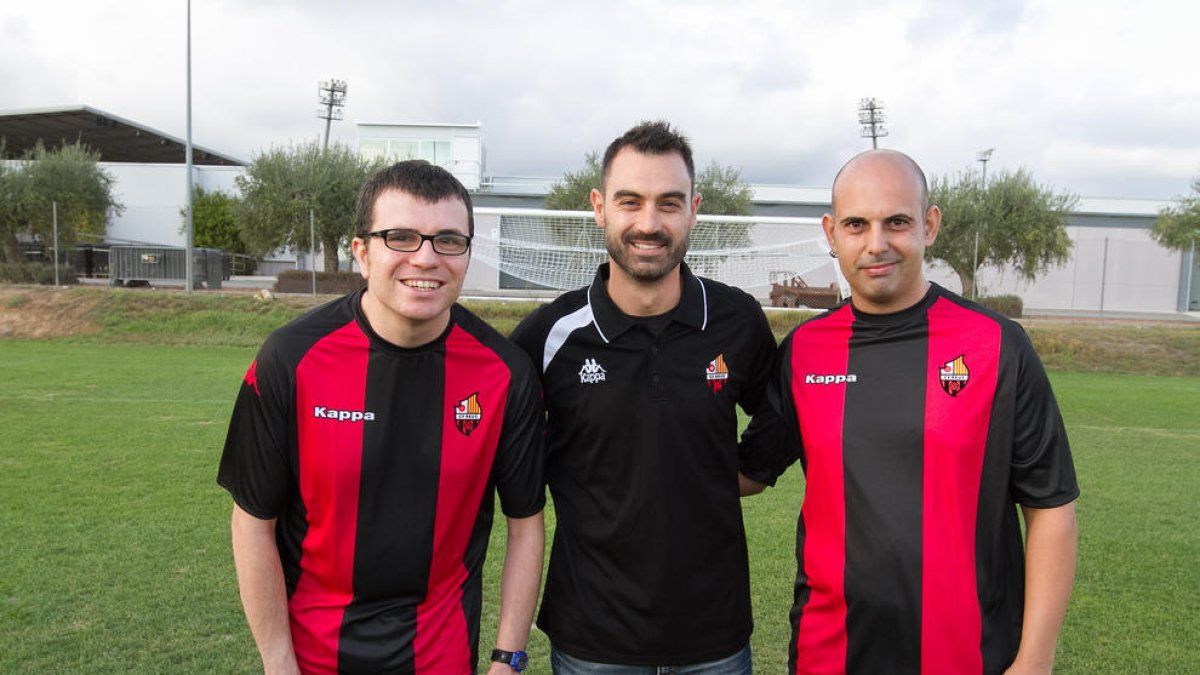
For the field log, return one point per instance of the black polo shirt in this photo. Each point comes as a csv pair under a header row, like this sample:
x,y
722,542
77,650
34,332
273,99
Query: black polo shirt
x,y
648,564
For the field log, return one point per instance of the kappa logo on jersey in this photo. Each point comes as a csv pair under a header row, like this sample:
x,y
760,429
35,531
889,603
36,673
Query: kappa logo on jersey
x,y
252,376
954,375
343,415
591,372
717,373
813,378
467,414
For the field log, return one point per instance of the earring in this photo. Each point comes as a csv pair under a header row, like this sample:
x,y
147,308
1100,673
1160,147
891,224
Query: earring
x,y
832,253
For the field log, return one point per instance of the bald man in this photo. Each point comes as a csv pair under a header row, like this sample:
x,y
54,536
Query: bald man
x,y
922,422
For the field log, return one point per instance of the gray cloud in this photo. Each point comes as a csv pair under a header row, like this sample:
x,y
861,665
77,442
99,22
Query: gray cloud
x,y
1078,92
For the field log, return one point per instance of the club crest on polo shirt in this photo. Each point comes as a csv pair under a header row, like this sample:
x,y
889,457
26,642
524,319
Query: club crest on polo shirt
x,y
591,372
954,375
467,414
717,373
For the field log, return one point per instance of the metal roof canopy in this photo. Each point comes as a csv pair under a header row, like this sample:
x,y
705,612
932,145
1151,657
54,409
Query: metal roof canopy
x,y
117,139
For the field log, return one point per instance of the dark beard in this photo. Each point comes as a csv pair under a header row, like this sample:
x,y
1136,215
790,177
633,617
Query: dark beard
x,y
642,273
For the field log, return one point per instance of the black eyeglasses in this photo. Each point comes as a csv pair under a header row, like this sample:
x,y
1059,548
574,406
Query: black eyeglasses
x,y
409,241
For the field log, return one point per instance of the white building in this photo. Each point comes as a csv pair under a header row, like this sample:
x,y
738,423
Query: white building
x,y
147,165
1114,266
457,148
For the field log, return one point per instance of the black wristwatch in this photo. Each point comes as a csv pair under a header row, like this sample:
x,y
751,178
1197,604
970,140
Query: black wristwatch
x,y
518,661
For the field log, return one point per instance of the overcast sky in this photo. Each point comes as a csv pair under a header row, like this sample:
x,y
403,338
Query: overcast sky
x,y
1097,97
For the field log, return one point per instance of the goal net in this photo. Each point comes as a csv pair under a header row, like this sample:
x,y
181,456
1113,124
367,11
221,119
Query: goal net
x,y
560,250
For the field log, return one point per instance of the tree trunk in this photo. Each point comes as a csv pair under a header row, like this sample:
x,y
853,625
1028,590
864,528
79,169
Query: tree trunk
x,y
10,251
330,247
966,278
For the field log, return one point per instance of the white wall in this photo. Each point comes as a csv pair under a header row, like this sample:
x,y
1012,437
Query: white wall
x,y
1138,275
154,196
467,151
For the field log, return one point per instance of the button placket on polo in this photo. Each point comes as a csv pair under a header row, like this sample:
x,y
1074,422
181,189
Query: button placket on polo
x,y
658,389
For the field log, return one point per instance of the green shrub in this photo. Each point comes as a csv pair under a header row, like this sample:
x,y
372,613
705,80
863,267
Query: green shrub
x,y
328,283
1009,305
36,273
782,321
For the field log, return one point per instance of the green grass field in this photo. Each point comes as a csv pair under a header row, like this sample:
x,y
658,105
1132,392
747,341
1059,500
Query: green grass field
x,y
116,554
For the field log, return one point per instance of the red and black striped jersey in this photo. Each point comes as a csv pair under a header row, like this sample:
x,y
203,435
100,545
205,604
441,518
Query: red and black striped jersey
x,y
918,432
381,465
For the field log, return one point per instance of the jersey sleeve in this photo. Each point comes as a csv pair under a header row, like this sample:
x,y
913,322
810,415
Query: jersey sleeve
x,y
255,466
530,336
762,351
1043,474
518,467
771,442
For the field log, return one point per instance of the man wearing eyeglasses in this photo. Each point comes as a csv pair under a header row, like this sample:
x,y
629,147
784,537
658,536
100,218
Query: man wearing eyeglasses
x,y
366,445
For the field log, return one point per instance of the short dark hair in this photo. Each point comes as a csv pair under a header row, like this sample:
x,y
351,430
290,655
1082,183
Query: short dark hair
x,y
417,177
650,138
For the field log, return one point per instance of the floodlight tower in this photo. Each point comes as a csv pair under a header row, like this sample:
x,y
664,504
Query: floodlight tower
x,y
332,97
870,117
982,157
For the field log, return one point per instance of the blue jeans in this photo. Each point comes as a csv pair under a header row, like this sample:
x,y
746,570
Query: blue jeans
x,y
738,664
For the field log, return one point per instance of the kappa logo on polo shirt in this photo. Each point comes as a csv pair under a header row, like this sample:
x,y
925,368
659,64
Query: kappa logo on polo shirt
x,y
954,375
467,414
717,373
343,415
814,378
591,372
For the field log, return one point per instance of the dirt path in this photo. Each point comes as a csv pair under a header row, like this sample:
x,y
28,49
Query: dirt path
x,y
40,312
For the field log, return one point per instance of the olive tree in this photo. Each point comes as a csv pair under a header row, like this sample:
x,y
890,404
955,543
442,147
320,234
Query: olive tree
x,y
283,185
1178,225
1012,222
66,178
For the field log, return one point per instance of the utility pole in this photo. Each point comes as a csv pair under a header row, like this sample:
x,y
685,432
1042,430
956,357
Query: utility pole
x,y
982,156
189,250
332,98
1192,299
870,117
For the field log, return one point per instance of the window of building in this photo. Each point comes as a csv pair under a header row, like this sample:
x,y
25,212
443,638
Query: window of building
x,y
397,150
437,152
373,149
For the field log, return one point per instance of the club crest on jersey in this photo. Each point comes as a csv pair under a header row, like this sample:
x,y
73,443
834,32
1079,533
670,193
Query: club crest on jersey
x,y
717,373
467,414
591,372
954,375
252,376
